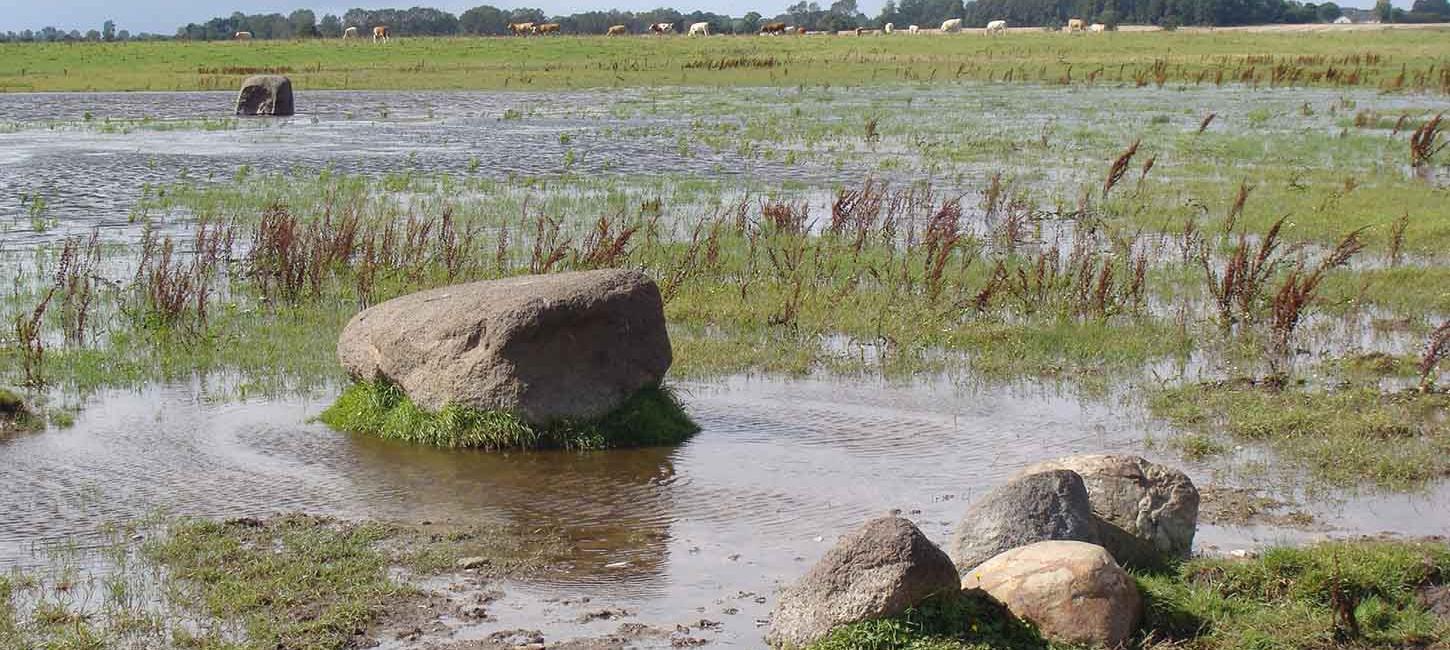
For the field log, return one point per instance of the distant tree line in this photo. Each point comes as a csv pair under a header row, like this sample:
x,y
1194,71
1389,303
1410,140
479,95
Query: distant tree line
x,y
487,20
107,32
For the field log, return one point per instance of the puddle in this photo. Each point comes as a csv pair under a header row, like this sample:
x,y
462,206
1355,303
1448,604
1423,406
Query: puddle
x,y
708,530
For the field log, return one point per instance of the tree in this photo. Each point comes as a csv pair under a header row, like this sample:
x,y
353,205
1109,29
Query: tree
x,y
303,23
1439,8
483,20
1384,10
123,36
843,15
1329,12
330,26
93,35
750,23
108,31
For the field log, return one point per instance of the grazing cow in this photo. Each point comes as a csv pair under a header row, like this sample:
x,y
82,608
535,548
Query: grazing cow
x,y
800,31
914,29
618,30
380,33
1097,27
547,28
700,29
890,28
1074,25
952,26
242,36
662,28
997,27
350,32
773,28
860,31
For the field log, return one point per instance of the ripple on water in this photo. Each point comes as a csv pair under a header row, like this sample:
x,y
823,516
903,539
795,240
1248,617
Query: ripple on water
x,y
779,471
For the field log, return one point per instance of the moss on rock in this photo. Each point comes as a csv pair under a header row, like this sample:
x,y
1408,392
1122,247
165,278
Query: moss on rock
x,y
651,417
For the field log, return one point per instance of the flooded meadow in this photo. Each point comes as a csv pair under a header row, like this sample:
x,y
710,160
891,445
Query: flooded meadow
x,y
881,299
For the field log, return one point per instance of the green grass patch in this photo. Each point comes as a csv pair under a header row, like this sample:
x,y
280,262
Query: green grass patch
x,y
295,582
1291,598
1127,58
954,621
1344,437
651,417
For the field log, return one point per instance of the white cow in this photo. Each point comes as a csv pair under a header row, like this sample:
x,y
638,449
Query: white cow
x,y
1074,25
952,26
1097,27
700,29
350,32
662,28
242,36
997,27
890,27
914,29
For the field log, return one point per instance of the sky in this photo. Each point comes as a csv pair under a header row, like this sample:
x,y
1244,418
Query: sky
x,y
164,16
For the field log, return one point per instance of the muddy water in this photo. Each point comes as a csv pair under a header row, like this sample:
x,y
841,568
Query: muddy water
x,y
672,535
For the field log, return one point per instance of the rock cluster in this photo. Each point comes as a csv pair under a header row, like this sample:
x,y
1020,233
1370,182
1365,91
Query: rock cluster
x,y
1050,545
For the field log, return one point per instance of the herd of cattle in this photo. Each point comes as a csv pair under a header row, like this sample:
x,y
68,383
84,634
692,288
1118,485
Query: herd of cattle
x,y
953,26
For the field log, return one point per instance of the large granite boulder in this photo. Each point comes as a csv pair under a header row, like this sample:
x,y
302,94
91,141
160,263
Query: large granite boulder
x,y
268,94
877,572
1072,591
1148,513
1051,505
565,346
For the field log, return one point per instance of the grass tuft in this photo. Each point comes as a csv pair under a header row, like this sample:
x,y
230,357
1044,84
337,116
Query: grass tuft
x,y
652,417
1343,437
293,582
1333,595
969,620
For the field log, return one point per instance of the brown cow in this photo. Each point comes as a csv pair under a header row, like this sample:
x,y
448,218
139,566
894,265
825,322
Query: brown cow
x,y
242,36
547,28
380,33
800,31
521,28
618,30
662,28
773,28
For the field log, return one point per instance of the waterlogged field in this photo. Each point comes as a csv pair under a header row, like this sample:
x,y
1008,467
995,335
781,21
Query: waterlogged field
x,y
880,298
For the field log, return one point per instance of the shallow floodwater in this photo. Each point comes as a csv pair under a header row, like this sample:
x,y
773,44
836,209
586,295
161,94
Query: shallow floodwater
x,y
707,530
89,155
672,535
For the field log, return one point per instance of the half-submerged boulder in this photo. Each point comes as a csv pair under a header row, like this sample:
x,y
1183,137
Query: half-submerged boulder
x,y
15,414
1148,513
1072,591
268,94
1045,506
541,351
877,572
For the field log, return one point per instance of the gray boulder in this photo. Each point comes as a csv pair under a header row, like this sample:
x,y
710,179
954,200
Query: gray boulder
x,y
268,94
544,347
1147,513
879,571
1045,506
